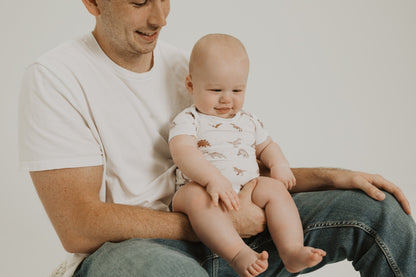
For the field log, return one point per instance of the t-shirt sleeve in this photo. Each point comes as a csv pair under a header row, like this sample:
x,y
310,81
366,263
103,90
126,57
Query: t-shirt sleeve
x,y
261,133
54,131
185,123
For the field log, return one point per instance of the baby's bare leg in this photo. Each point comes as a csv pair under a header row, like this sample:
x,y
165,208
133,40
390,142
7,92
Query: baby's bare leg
x,y
214,228
284,225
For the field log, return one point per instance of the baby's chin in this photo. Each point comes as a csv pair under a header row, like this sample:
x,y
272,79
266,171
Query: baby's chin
x,y
229,113
225,113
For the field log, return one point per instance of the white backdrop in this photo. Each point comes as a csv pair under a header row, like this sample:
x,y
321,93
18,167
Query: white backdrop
x,y
334,81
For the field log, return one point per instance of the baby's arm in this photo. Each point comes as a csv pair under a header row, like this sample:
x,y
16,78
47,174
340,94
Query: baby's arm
x,y
270,154
192,163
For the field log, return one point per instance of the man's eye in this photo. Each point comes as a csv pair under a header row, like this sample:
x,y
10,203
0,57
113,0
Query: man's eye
x,y
139,3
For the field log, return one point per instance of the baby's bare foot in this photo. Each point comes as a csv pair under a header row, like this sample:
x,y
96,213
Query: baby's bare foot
x,y
303,258
249,263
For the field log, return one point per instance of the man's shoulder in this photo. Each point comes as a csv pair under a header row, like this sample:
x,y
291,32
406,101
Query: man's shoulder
x,y
167,48
172,54
66,53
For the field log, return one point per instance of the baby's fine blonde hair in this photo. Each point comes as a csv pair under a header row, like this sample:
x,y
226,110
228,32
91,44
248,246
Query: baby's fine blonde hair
x,y
217,45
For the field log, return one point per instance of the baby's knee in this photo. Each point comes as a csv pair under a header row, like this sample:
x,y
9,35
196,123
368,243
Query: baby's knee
x,y
268,189
268,184
189,195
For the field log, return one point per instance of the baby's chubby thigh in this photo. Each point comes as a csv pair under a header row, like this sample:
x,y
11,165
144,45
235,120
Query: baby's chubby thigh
x,y
268,189
190,197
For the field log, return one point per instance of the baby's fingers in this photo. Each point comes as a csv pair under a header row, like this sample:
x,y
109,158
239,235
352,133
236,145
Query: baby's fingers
x,y
292,183
225,198
215,198
287,184
235,201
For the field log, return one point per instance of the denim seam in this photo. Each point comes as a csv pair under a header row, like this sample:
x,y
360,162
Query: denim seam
x,y
380,243
209,257
215,266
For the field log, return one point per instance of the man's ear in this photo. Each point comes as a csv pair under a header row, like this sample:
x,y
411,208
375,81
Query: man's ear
x,y
92,6
189,85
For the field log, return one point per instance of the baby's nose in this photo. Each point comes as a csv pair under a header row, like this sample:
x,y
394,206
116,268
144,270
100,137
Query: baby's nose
x,y
225,98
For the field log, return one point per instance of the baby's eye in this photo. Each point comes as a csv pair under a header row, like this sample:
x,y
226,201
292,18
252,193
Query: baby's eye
x,y
215,90
237,90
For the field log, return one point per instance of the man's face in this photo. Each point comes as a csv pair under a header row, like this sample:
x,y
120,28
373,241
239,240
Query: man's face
x,y
127,28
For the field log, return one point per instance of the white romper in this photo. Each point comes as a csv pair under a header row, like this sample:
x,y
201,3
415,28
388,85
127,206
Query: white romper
x,y
228,143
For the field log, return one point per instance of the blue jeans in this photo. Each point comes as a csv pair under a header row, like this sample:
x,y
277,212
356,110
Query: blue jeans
x,y
378,237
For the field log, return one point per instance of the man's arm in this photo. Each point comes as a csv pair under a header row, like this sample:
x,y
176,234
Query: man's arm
x,y
320,178
83,222
312,179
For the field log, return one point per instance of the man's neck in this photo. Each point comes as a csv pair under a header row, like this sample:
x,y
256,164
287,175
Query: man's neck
x,y
134,62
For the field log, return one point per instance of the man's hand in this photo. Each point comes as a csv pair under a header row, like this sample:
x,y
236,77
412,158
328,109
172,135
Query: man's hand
x,y
284,175
250,219
222,189
371,184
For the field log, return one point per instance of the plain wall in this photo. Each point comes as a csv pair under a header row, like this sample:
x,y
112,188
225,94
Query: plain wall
x,y
334,82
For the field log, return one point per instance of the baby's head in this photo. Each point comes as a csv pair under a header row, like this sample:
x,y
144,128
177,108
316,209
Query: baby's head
x,y
218,71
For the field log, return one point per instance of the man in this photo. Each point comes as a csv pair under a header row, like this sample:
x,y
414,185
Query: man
x,y
94,121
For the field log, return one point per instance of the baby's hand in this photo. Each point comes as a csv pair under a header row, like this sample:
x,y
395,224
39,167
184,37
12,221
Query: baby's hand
x,y
284,175
222,189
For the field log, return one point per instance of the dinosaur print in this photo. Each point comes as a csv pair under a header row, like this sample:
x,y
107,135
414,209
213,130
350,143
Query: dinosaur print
x,y
236,142
216,155
216,126
261,123
191,114
242,152
236,127
243,112
239,172
203,143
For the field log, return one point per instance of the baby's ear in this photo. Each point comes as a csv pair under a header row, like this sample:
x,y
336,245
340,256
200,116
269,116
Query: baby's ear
x,y
189,85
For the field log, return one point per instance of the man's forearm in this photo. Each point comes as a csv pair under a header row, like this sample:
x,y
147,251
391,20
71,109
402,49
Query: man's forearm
x,y
312,179
115,222
83,222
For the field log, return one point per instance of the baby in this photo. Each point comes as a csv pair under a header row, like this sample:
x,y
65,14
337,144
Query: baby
x,y
215,145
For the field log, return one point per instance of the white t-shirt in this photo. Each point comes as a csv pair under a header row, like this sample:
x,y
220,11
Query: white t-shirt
x,y
228,143
78,108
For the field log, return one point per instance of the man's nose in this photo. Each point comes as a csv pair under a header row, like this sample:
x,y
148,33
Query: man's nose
x,y
158,14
